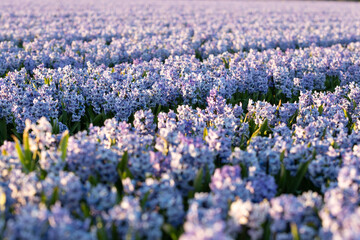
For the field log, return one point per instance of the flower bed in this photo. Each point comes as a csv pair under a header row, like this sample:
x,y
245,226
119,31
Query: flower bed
x,y
179,120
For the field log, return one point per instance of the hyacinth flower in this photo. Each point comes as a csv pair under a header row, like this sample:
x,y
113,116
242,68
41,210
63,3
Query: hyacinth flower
x,y
28,154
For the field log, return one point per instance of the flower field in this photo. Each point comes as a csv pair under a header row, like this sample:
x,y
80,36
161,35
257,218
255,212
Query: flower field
x,y
179,120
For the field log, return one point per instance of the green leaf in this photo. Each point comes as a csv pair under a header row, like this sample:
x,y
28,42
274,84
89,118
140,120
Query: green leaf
x,y
43,174
201,182
47,81
334,145
64,117
15,133
264,126
345,113
127,174
252,125
63,144
85,209
158,110
144,199
279,105
198,55
20,153
314,153
299,176
283,173
98,119
294,231
244,173
323,134
226,63
123,168
354,103
119,188
43,198
282,156
170,231
205,133
207,179
267,231
114,232
55,126
332,82
254,135
101,232
352,127
92,180
124,162
54,197
293,118
246,117
278,93
350,122
29,161
321,109
26,140
283,178
198,182
91,113
75,127
3,130
269,95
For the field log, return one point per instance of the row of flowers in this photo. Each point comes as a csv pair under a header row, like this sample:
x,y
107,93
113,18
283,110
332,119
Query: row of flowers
x,y
119,32
77,97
